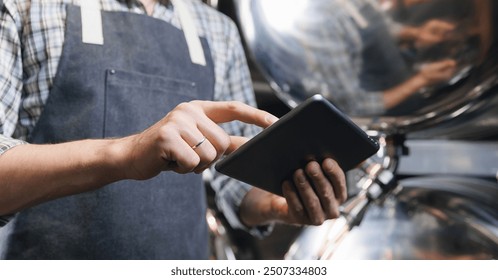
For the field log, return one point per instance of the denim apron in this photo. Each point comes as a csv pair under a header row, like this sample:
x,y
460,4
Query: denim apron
x,y
141,72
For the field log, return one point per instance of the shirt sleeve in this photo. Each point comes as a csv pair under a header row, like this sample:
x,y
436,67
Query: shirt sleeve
x,y
236,85
10,77
10,82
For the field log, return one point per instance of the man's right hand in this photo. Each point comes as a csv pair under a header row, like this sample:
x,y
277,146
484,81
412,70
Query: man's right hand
x,y
80,166
168,144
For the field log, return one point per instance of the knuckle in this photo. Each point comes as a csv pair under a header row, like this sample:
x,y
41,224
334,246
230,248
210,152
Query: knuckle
x,y
327,196
164,133
301,186
299,211
313,204
234,105
184,106
195,102
176,116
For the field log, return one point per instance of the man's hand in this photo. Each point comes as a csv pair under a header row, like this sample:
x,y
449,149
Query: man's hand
x,y
437,72
168,144
433,32
80,166
311,197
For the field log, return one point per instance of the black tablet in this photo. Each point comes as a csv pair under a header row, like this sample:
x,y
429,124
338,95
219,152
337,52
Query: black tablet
x,y
314,130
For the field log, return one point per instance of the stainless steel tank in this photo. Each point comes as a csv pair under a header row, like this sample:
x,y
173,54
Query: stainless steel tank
x,y
302,46
355,51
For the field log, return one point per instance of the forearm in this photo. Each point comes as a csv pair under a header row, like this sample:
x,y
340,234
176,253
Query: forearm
x,y
32,174
255,209
398,94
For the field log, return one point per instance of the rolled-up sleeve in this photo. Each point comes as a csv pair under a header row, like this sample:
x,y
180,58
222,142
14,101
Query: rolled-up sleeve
x,y
10,82
10,77
6,143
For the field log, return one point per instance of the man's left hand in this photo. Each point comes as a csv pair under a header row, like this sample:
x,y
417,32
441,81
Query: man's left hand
x,y
312,196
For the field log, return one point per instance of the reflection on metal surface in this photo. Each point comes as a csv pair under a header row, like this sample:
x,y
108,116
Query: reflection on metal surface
x,y
458,158
416,218
429,218
428,62
219,244
212,3
403,70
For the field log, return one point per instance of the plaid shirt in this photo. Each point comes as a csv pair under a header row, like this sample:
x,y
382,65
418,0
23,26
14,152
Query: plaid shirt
x,y
31,41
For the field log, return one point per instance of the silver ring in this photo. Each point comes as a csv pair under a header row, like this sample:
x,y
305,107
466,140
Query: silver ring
x,y
200,143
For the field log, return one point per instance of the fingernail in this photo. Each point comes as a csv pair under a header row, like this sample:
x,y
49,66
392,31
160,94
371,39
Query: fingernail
x,y
271,119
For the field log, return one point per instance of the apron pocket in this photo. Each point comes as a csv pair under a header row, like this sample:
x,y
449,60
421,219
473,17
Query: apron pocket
x,y
135,101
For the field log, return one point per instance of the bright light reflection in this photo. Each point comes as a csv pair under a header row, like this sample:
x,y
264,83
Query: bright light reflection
x,y
282,14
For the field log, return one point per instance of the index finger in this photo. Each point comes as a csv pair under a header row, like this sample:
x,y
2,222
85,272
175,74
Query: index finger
x,y
227,111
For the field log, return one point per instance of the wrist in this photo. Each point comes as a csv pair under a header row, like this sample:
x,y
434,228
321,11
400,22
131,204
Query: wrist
x,y
255,208
112,155
419,81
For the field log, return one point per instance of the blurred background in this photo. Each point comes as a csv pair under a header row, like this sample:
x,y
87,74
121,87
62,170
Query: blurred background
x,y
420,76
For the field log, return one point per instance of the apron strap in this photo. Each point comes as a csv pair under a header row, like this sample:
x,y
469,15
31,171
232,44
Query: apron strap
x,y
189,29
91,22
92,33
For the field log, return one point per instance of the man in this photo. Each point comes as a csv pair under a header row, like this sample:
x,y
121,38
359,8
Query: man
x,y
88,87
